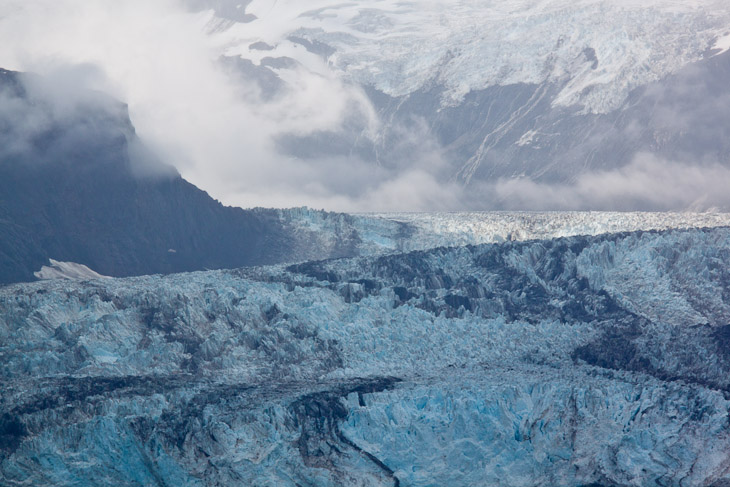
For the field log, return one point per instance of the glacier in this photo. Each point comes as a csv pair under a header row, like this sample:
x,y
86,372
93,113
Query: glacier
x,y
324,234
580,360
399,48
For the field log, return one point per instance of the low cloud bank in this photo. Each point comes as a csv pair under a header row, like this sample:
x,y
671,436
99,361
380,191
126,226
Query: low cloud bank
x,y
647,183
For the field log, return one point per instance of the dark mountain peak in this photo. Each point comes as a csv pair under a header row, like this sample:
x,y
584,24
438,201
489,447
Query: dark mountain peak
x,y
77,185
47,122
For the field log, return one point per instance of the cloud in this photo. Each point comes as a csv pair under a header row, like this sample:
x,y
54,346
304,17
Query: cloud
x,y
163,60
647,183
211,121
50,118
253,136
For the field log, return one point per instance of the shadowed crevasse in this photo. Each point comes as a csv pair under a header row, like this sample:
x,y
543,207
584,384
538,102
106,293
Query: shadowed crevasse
x,y
319,417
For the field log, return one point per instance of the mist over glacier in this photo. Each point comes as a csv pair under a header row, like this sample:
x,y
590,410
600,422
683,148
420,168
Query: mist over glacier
x,y
425,106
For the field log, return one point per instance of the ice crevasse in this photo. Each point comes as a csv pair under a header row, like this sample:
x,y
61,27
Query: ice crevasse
x,y
600,360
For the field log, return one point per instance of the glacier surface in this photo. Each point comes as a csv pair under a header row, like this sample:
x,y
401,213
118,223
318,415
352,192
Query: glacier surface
x,y
469,45
325,234
584,360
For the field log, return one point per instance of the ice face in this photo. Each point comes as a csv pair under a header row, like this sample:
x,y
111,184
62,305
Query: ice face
x,y
571,361
526,427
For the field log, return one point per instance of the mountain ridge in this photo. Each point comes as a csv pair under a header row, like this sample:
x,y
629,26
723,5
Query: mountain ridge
x,y
84,189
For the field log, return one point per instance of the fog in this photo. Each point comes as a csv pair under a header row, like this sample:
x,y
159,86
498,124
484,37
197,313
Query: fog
x,y
647,183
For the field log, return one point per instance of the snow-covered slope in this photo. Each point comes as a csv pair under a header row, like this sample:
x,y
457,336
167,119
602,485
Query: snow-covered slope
x,y
605,48
584,360
478,93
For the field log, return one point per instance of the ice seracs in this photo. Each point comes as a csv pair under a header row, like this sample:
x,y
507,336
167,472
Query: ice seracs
x,y
437,229
574,361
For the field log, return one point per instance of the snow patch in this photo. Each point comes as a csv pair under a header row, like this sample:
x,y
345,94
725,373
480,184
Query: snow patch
x,y
66,270
527,138
722,44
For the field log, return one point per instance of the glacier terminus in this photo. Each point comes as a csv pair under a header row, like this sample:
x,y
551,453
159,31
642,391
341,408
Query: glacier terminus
x,y
577,360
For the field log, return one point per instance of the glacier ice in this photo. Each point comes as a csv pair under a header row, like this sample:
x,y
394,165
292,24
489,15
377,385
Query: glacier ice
x,y
580,360
367,234
399,48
